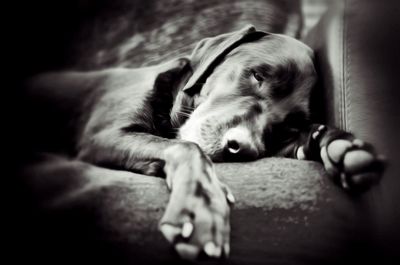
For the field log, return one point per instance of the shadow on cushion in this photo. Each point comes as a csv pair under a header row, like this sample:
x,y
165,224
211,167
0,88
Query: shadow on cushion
x,y
287,212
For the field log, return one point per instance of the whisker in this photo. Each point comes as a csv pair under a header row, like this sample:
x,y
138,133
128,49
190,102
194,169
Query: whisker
x,y
183,113
187,108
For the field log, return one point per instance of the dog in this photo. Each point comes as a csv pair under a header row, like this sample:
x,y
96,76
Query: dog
x,y
239,96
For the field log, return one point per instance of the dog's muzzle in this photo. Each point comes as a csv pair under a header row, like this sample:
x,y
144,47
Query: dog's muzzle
x,y
239,145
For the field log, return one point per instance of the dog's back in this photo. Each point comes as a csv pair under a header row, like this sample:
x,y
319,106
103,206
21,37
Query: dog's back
x,y
61,108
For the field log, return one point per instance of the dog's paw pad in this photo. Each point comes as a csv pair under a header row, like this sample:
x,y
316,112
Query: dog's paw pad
x,y
354,163
170,232
337,149
357,160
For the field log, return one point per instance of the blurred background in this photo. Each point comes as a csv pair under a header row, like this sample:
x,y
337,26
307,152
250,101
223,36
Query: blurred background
x,y
89,33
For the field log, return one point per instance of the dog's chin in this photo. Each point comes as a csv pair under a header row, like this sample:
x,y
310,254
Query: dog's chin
x,y
216,156
207,137
212,149
215,153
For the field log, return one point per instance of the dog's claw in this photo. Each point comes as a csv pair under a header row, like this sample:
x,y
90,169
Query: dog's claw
x,y
227,249
343,181
187,230
228,194
170,231
209,249
212,250
315,135
318,132
300,153
231,199
199,206
217,252
358,143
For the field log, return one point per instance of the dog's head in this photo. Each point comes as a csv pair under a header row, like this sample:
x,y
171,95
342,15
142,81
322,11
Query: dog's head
x,y
249,93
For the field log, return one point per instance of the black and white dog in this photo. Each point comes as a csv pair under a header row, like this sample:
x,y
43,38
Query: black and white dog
x,y
240,96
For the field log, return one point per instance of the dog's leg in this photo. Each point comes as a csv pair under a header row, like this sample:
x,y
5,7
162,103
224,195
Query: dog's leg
x,y
120,133
197,215
351,162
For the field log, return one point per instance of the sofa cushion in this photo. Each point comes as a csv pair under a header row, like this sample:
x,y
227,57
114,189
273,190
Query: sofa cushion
x,y
287,212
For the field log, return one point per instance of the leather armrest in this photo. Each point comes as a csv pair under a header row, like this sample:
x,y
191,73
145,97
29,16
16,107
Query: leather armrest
x,y
357,56
357,48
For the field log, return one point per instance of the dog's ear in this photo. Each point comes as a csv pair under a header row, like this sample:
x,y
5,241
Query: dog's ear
x,y
210,51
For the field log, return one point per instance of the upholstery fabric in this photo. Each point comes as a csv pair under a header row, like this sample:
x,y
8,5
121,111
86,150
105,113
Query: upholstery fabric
x,y
287,212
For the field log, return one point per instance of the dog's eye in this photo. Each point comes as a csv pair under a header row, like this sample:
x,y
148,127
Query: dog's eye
x,y
257,77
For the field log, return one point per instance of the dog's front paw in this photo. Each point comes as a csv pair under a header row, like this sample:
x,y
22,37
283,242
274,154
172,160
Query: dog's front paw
x,y
354,163
196,220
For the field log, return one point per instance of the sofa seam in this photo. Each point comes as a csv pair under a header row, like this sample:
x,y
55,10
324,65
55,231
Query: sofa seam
x,y
340,29
346,70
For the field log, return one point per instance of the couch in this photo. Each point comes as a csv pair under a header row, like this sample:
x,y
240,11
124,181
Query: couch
x,y
287,211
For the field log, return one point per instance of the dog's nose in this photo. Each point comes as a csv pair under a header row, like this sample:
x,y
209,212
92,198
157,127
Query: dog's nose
x,y
233,146
239,145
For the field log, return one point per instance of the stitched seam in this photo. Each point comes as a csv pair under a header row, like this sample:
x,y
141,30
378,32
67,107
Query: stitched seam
x,y
342,74
348,97
346,65
340,34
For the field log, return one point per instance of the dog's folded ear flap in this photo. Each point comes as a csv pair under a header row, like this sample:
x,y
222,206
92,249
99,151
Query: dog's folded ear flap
x,y
210,51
